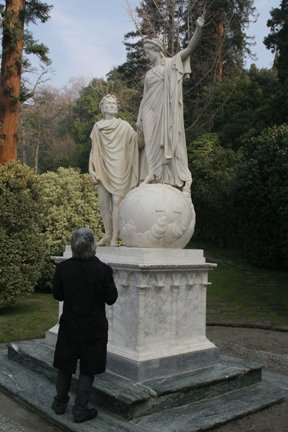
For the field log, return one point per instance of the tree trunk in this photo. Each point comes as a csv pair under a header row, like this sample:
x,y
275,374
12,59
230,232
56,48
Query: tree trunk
x,y
220,32
10,81
171,28
36,157
23,136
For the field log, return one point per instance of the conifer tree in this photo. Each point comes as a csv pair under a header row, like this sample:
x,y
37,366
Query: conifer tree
x,y
277,40
15,13
220,53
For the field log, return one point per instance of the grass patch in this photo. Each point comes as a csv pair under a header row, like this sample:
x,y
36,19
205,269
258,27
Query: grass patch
x,y
239,294
29,319
244,294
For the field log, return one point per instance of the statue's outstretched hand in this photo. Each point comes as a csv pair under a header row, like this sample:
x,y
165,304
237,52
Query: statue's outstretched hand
x,y
200,21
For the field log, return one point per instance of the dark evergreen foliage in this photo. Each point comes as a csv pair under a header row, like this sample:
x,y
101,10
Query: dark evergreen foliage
x,y
213,169
220,53
35,10
261,198
277,40
242,107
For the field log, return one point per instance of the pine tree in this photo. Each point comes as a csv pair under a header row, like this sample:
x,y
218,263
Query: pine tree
x,y
15,14
220,53
160,19
277,40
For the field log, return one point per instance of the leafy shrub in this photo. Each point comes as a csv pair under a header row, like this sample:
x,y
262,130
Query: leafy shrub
x,y
22,249
69,202
261,198
213,172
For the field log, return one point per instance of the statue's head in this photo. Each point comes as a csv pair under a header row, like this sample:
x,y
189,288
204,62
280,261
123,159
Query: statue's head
x,y
83,244
109,104
153,45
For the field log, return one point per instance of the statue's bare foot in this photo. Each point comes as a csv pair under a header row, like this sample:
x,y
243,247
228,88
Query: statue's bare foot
x,y
104,240
114,242
187,187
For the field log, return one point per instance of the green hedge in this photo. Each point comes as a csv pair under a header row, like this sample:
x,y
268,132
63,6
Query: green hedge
x,y
213,171
261,198
22,247
69,202
38,215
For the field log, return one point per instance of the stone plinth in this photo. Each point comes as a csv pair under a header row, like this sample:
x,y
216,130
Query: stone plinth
x,y
157,327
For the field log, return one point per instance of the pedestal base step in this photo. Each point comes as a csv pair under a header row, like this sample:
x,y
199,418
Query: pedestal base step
x,y
36,391
188,402
211,413
131,399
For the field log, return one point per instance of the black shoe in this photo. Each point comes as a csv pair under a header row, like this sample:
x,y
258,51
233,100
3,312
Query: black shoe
x,y
59,407
80,416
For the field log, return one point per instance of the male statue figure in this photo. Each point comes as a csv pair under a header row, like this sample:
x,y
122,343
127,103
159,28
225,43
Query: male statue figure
x,y
113,165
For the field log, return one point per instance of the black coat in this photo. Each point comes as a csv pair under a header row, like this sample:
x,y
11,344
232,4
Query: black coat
x,y
84,286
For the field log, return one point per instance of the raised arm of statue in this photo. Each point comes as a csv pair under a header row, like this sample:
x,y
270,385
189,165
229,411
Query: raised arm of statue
x,y
186,52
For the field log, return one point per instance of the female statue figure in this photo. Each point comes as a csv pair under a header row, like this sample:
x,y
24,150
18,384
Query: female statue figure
x,y
160,117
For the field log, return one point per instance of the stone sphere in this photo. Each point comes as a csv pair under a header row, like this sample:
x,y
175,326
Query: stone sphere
x,y
156,216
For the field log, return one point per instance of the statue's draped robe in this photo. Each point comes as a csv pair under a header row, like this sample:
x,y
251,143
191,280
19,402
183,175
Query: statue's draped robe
x,y
114,155
161,117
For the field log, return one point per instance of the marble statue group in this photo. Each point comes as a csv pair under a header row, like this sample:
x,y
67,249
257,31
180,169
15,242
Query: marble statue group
x,y
116,156
157,327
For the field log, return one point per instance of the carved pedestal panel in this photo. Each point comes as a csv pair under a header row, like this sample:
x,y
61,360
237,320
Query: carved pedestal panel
x,y
157,327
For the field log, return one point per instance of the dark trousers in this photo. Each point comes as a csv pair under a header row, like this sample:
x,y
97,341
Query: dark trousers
x,y
63,385
85,384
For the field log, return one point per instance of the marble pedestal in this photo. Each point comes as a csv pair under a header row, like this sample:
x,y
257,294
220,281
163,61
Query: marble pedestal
x,y
157,327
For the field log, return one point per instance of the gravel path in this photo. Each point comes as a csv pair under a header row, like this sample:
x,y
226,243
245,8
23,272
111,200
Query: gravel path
x,y
269,348
14,417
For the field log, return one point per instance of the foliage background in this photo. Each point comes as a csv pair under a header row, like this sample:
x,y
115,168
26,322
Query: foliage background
x,y
22,248
229,115
236,129
69,202
38,216
261,198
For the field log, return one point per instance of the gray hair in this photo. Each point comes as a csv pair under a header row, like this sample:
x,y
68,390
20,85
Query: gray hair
x,y
83,244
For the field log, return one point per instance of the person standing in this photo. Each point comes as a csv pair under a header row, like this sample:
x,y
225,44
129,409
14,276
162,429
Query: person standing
x,y
113,165
85,285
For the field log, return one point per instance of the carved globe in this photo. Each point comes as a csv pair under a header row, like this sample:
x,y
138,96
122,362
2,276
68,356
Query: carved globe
x,y
157,216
